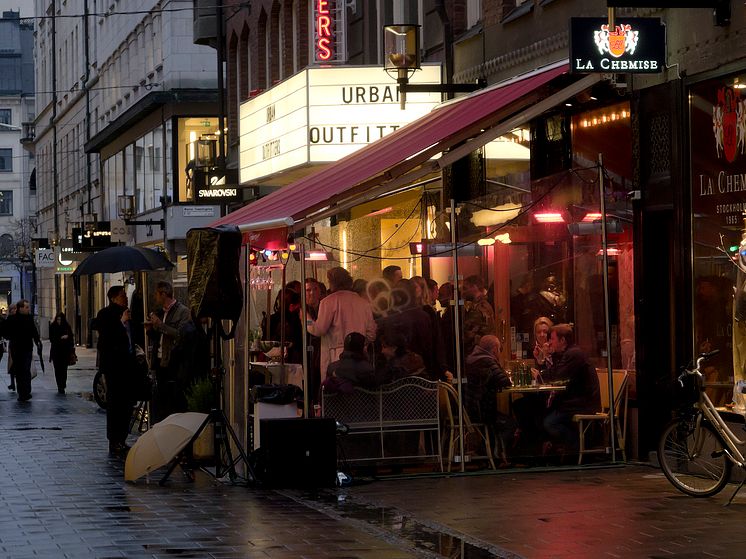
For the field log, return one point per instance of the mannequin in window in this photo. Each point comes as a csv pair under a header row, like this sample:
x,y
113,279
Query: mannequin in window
x,y
552,301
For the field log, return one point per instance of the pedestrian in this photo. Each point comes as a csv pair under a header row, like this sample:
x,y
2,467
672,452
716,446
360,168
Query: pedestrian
x,y
61,348
340,313
12,385
116,358
165,326
19,329
392,274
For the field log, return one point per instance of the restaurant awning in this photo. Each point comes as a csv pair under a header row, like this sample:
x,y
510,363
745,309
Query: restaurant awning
x,y
457,127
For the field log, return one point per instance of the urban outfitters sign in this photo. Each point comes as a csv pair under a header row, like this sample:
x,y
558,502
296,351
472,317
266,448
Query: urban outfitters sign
x,y
320,115
633,45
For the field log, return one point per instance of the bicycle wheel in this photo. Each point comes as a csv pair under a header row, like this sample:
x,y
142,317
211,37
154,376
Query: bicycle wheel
x,y
693,458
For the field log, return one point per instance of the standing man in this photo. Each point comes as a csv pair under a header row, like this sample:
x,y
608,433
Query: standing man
x,y
167,325
116,359
20,331
479,318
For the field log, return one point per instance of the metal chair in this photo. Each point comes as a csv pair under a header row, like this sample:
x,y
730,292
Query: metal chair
x,y
448,399
585,421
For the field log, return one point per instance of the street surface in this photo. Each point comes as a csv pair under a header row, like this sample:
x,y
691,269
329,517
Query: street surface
x,y
62,495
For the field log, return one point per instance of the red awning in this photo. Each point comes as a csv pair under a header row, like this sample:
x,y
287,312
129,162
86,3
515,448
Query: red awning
x,y
395,154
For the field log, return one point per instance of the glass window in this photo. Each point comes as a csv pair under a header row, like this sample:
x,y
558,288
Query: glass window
x,y
157,159
718,171
5,116
6,159
6,202
140,175
189,131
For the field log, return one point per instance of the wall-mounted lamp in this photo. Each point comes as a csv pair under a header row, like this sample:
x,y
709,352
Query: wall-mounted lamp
x,y
90,221
205,152
126,211
401,55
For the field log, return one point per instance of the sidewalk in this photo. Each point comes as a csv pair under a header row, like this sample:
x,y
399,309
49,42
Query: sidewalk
x,y
79,376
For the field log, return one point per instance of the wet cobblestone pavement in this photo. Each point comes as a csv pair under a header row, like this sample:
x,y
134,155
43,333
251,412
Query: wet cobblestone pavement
x,y
62,495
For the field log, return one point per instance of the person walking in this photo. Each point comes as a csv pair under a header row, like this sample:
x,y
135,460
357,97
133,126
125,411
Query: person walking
x,y
165,327
12,385
62,346
21,333
116,359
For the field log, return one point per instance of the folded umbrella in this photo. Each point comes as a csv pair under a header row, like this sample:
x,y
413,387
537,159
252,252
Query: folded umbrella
x,y
161,443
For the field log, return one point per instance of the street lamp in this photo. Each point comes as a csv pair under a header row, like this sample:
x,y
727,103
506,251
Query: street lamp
x,y
401,56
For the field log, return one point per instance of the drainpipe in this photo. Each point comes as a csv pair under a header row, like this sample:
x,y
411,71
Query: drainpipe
x,y
447,42
55,180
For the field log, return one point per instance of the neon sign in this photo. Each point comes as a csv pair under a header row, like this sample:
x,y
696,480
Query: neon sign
x,y
324,37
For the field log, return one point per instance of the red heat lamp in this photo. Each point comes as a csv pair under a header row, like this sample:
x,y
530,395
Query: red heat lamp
x,y
549,217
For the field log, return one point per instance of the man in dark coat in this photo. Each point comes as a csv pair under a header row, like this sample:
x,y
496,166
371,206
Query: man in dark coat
x,y
485,378
165,327
116,359
582,393
19,329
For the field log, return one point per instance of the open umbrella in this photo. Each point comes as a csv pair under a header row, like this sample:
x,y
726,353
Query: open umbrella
x,y
159,445
121,259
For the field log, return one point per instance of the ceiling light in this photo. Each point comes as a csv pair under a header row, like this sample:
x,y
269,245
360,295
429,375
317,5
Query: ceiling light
x,y
489,241
549,217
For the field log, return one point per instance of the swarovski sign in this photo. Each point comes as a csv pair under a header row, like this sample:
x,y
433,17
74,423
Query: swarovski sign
x,y
633,45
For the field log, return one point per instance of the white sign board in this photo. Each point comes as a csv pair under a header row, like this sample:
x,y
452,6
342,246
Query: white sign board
x,y
323,114
45,258
199,211
120,231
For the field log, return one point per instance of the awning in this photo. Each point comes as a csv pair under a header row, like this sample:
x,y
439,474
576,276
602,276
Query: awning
x,y
406,154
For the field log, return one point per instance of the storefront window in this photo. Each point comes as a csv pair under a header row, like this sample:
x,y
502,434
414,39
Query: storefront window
x,y
189,131
718,183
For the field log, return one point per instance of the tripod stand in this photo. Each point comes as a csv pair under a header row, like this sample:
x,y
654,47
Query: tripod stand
x,y
223,433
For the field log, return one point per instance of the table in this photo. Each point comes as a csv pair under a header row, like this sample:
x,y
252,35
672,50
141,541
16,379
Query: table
x,y
534,389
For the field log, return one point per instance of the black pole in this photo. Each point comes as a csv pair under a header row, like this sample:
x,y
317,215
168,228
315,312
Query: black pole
x,y
221,89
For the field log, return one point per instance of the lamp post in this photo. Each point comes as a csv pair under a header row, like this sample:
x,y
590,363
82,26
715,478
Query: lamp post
x,y
401,56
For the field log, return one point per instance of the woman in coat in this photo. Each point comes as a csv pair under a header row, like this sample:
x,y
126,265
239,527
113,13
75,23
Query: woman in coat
x,y
62,346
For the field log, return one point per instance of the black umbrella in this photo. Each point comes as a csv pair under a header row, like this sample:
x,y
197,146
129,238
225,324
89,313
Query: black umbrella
x,y
123,259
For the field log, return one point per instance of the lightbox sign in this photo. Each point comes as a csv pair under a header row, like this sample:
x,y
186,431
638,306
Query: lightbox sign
x,y
634,45
218,194
328,31
323,114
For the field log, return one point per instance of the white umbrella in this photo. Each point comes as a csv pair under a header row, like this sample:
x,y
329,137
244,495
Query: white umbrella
x,y
159,445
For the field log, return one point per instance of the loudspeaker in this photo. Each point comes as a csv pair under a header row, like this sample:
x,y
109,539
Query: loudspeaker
x,y
300,453
213,275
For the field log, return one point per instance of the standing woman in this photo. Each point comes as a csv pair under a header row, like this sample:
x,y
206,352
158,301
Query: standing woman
x,y
62,346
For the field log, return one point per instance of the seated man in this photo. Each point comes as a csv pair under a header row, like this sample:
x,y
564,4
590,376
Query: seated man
x,y
353,368
485,377
582,393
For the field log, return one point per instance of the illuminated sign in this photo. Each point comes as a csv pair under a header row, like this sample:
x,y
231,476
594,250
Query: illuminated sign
x,y
91,241
218,194
328,30
633,45
323,114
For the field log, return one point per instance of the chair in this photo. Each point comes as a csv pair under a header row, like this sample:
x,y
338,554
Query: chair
x,y
448,401
585,421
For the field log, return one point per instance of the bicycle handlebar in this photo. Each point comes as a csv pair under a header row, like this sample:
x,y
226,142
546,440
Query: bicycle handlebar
x,y
693,368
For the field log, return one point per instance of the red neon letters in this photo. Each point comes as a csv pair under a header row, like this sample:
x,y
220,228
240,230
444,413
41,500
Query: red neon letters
x,y
323,30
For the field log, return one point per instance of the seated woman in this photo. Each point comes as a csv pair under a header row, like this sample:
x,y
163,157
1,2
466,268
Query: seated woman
x,y
530,409
398,361
352,368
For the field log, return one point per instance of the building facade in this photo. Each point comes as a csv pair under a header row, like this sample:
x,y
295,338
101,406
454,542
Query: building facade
x,y
17,188
126,93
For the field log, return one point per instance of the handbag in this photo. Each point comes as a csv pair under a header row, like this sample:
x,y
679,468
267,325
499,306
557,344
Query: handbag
x,y
73,357
33,369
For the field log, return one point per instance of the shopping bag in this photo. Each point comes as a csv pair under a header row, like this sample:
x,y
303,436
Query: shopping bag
x,y
34,371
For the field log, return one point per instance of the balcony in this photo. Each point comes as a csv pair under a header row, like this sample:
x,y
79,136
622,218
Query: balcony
x,y
28,133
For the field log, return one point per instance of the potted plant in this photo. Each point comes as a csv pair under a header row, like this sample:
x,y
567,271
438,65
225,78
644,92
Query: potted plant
x,y
200,398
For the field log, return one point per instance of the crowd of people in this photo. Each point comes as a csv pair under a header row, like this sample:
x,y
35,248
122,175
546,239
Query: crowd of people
x,y
371,332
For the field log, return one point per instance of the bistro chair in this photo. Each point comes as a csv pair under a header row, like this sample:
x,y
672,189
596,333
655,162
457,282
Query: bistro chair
x,y
585,421
448,401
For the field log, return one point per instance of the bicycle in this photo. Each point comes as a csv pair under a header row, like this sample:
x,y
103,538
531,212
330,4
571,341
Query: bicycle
x,y
697,449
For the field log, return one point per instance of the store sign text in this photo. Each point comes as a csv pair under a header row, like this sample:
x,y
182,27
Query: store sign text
x,y
324,35
632,45
323,114
725,183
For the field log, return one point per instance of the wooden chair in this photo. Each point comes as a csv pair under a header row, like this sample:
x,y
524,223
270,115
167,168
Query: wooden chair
x,y
448,401
585,421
